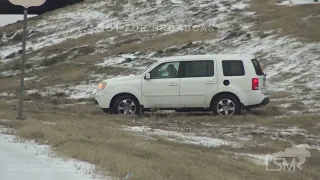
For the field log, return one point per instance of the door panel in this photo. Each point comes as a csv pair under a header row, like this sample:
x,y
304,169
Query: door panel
x,y
162,90
195,92
198,83
161,93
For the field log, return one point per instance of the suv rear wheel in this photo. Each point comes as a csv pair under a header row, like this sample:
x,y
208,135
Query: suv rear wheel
x,y
126,105
226,105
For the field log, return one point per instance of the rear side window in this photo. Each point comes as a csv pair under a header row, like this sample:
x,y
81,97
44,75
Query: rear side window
x,y
257,67
203,68
233,68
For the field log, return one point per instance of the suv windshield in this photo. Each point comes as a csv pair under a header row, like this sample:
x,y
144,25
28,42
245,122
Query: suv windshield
x,y
257,67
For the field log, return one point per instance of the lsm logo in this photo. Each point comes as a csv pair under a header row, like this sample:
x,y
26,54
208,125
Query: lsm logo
x,y
281,160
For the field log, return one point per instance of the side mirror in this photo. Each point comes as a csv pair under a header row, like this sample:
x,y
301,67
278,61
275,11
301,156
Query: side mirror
x,y
147,77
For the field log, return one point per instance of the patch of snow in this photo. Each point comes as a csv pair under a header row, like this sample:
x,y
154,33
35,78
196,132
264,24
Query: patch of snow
x,y
259,159
297,2
131,60
177,1
264,159
88,20
28,160
111,61
239,5
207,124
82,91
4,130
32,91
17,72
10,73
5,120
73,92
290,131
78,103
49,123
65,25
186,138
307,146
6,94
29,78
286,105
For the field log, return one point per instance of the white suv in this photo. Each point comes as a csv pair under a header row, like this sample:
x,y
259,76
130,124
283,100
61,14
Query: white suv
x,y
222,83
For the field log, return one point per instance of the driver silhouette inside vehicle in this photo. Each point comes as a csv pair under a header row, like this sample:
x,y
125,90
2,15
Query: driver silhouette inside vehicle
x,y
172,71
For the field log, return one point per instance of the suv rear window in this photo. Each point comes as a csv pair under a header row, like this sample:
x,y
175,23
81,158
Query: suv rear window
x,y
257,67
233,68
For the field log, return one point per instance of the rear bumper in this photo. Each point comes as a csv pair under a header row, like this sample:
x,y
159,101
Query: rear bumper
x,y
264,102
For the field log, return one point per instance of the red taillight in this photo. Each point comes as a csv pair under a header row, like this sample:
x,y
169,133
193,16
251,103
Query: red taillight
x,y
255,84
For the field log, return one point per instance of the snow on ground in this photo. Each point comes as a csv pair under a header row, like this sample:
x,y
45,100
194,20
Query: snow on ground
x,y
28,160
190,138
90,20
186,138
137,60
17,72
297,2
6,94
65,25
259,159
72,92
247,132
264,159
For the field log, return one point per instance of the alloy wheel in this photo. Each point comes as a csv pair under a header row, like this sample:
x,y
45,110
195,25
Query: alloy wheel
x,y
127,106
226,107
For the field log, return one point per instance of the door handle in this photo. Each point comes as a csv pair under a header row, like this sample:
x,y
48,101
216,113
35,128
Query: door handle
x,y
172,84
210,82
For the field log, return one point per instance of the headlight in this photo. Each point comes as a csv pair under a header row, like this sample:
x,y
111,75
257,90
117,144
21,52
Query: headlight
x,y
102,85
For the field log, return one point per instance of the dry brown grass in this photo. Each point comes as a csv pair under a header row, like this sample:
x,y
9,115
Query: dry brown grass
x,y
85,133
73,74
72,43
300,21
165,41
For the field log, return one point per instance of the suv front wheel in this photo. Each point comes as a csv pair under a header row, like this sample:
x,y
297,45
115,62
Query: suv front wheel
x,y
226,105
126,105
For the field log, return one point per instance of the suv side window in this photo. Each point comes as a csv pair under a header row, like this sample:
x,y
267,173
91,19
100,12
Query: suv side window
x,y
203,68
233,68
165,70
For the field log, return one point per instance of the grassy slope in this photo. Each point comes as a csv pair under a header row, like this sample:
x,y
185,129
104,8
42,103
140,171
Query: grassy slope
x,y
90,135
298,21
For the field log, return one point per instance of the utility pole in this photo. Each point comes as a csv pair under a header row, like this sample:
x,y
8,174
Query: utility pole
x,y
25,4
22,73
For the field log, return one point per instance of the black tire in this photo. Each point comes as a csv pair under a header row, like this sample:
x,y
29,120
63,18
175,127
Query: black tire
x,y
224,99
115,105
106,110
